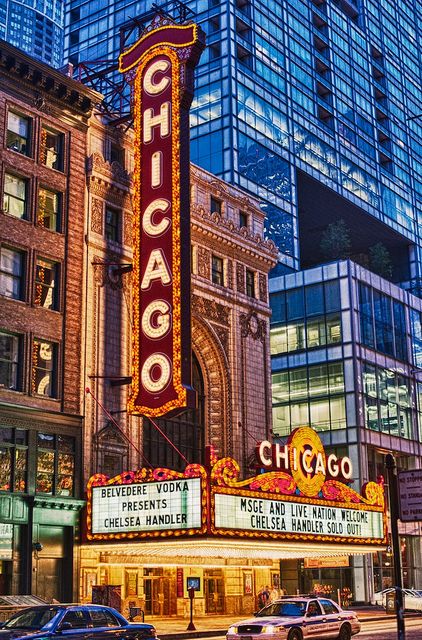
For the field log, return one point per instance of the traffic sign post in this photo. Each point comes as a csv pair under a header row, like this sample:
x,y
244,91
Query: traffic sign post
x,y
410,490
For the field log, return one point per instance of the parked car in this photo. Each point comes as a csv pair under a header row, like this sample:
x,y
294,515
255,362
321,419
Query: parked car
x,y
412,599
297,619
73,622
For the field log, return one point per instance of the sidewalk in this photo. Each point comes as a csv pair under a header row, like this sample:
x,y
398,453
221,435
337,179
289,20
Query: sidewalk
x,y
208,626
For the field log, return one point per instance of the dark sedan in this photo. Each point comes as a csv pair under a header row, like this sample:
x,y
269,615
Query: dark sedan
x,y
73,622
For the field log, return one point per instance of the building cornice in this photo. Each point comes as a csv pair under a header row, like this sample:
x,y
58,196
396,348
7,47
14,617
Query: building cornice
x,y
213,226
50,83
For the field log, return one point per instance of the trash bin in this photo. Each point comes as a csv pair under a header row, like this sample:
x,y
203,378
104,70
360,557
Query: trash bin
x,y
390,602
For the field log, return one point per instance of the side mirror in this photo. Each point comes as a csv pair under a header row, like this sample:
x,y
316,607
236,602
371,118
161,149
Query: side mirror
x,y
65,626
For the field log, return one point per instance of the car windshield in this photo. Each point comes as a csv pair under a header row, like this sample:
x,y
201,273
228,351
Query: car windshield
x,y
290,608
31,618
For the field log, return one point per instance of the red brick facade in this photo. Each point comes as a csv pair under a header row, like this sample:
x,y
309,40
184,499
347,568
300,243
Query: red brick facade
x,y
41,286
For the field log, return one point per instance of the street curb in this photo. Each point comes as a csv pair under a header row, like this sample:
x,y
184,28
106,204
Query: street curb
x,y
209,633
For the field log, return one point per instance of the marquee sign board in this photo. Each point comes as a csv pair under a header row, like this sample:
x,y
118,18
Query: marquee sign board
x,y
160,66
274,516
146,504
154,506
303,503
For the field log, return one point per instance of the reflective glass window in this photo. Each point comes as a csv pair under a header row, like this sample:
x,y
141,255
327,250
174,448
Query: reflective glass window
x,y
52,149
49,209
12,263
295,304
314,297
9,360
387,399
15,196
217,270
18,133
46,284
13,459
112,224
250,283
55,464
44,372
309,395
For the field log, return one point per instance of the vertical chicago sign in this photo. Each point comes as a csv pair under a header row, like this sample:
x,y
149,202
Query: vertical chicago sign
x,y
161,64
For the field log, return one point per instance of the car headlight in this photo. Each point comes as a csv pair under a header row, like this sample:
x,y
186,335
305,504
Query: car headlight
x,y
272,628
231,630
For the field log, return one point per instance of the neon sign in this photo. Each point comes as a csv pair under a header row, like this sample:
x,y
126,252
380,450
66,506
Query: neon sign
x,y
305,458
162,62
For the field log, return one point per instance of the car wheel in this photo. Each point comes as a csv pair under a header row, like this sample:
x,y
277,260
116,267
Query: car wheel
x,y
295,634
345,633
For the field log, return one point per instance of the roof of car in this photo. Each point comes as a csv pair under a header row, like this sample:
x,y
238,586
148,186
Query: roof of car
x,y
60,605
301,598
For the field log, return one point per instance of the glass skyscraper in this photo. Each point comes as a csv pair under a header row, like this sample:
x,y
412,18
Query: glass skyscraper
x,y
35,27
297,98
315,106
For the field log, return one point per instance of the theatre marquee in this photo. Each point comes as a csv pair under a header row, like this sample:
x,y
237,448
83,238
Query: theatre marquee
x,y
303,503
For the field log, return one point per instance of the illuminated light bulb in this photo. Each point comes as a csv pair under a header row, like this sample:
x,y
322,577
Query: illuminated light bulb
x,y
156,169
161,361
156,319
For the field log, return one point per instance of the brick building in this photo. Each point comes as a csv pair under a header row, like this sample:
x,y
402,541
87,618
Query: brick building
x,y
231,366
44,118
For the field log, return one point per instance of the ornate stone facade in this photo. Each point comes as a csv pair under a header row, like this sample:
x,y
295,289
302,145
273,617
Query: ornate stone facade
x,y
230,332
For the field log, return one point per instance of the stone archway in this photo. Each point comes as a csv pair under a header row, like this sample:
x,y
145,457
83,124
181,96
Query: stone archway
x,y
209,349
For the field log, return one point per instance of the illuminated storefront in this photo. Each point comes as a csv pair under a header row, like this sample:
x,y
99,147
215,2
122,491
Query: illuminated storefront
x,y
207,515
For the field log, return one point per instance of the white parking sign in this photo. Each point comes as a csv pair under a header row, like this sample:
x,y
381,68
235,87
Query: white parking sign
x,y
410,490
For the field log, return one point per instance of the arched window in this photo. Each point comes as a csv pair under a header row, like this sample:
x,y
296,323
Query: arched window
x,y
186,431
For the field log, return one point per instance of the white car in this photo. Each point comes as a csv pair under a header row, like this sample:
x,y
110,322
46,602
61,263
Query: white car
x,y
412,599
297,619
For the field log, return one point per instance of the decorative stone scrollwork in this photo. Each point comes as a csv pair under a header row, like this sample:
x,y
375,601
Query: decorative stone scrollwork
x,y
223,336
113,171
128,229
203,256
211,310
253,326
97,216
229,274
41,104
263,296
240,278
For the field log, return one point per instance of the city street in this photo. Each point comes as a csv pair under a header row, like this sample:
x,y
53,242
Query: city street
x,y
385,629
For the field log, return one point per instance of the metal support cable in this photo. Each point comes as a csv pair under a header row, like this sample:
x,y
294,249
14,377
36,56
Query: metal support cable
x,y
110,417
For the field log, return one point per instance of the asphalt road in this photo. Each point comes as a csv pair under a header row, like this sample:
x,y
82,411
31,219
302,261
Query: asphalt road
x,y
387,630
383,630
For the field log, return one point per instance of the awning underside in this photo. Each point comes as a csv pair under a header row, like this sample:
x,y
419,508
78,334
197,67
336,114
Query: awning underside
x,y
227,549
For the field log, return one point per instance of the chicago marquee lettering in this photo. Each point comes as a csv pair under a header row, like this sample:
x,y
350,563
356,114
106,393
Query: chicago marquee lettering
x,y
162,62
277,456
